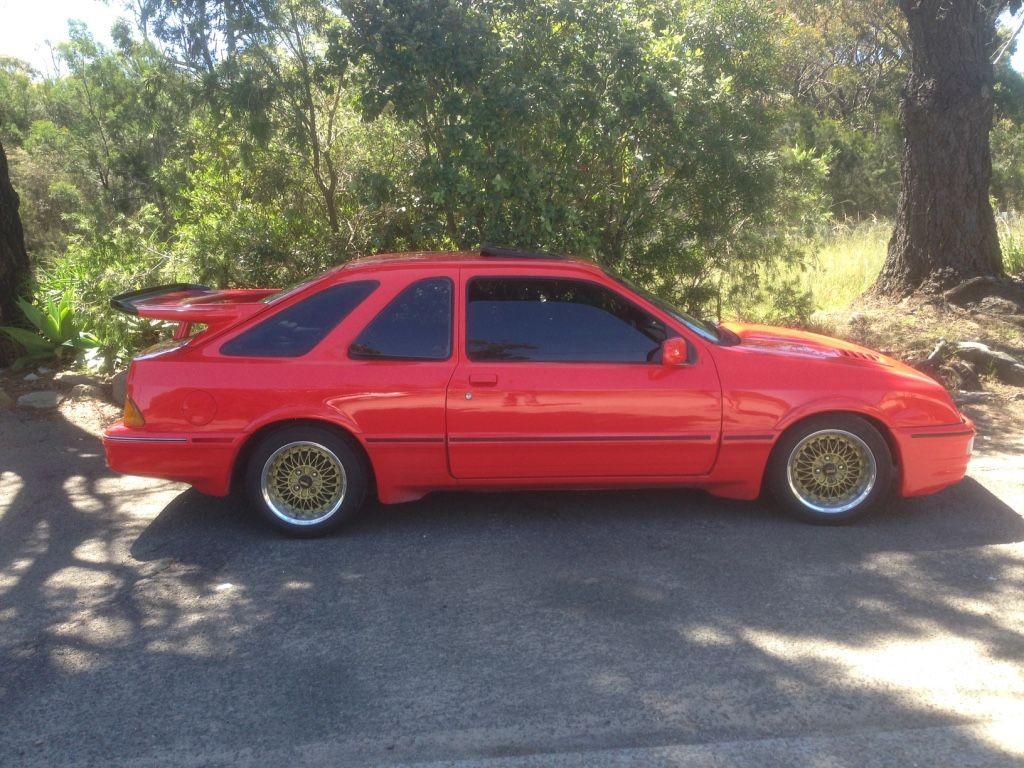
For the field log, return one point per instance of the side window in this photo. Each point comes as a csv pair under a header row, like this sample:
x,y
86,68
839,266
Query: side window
x,y
557,321
295,330
415,325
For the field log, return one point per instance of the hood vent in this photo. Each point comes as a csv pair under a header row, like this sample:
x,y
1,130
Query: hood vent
x,y
858,355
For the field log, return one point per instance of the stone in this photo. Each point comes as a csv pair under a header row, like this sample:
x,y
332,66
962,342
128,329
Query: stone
x,y
119,388
30,377
44,369
43,400
962,375
986,359
5,400
996,305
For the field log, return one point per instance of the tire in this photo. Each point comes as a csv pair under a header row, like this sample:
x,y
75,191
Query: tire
x,y
306,481
831,469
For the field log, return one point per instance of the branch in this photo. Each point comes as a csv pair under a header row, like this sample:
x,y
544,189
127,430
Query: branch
x,y
1009,41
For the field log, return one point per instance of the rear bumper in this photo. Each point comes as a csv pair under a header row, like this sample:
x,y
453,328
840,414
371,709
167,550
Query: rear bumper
x,y
203,461
932,458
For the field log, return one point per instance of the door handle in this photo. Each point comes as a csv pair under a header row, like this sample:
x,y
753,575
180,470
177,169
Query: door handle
x,y
483,379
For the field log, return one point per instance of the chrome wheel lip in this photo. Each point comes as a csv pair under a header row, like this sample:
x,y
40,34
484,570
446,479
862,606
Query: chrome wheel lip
x,y
867,455
282,513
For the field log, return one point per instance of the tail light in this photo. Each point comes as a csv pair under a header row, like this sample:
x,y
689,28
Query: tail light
x,y
132,415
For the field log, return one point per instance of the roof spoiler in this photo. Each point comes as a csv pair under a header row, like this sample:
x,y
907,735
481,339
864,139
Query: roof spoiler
x,y
187,304
129,302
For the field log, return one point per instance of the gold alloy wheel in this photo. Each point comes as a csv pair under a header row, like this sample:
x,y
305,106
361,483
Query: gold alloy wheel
x,y
831,471
303,483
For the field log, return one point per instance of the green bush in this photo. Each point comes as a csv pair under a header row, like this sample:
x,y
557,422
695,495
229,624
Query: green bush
x,y
101,263
58,333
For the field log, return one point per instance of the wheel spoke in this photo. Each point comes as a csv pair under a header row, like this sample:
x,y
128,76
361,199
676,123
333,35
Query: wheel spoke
x,y
831,470
304,482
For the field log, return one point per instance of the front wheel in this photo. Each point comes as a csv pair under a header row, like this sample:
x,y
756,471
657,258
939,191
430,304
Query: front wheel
x,y
305,481
831,469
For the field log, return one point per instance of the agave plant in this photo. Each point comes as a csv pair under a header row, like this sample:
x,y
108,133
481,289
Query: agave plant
x,y
57,333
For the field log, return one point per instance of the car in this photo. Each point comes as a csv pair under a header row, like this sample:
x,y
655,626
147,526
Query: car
x,y
403,374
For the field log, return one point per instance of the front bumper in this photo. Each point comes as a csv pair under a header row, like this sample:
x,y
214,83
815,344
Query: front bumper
x,y
932,458
203,461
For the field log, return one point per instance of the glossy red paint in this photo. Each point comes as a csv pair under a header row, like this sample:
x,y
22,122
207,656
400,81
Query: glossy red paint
x,y
709,420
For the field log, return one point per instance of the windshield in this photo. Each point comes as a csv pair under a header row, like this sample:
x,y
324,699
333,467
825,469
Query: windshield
x,y
702,328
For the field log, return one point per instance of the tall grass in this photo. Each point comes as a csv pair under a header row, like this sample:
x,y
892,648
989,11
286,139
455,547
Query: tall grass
x,y
1011,239
844,263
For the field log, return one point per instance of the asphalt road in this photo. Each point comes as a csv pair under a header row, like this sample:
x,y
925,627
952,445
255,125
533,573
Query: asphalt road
x,y
142,624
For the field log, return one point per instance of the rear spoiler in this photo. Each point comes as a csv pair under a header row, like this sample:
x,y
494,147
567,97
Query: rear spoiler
x,y
187,305
129,302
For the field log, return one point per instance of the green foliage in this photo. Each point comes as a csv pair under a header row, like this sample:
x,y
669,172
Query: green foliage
x,y
57,334
98,264
16,104
703,148
634,133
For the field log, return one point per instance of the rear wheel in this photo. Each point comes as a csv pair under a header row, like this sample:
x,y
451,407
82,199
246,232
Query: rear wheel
x,y
306,481
831,469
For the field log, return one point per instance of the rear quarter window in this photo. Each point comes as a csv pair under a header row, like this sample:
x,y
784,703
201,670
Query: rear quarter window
x,y
415,325
295,330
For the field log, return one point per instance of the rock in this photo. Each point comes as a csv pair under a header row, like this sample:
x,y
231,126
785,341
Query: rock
x,y
43,400
977,289
30,377
996,305
93,391
71,378
1005,367
5,400
119,388
44,369
1018,396
961,375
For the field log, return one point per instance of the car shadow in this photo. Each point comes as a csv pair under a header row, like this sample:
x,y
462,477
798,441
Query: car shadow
x,y
964,516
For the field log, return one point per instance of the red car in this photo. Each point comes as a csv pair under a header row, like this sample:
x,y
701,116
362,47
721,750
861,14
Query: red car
x,y
416,372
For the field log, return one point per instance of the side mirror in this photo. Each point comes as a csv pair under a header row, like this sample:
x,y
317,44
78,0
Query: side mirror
x,y
675,351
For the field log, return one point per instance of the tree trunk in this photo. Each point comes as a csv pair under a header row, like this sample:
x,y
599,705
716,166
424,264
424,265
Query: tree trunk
x,y
945,231
14,270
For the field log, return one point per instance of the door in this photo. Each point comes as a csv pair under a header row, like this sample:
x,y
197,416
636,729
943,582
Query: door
x,y
562,377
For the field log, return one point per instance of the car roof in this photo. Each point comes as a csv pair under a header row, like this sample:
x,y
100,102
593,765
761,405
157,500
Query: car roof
x,y
486,257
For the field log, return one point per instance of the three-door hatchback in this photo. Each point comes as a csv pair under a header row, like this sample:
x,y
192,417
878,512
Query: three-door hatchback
x,y
410,373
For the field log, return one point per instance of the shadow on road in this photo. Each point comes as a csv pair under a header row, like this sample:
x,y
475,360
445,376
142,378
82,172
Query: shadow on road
x,y
487,624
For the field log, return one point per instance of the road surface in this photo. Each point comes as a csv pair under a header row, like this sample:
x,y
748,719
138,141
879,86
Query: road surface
x,y
143,624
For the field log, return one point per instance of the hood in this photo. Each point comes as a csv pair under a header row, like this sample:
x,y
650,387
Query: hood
x,y
792,343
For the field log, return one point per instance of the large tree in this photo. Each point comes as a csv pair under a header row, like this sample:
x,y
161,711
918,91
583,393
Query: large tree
x,y
14,270
945,230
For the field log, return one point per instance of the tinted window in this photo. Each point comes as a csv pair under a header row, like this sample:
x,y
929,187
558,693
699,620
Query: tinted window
x,y
557,320
295,330
416,325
